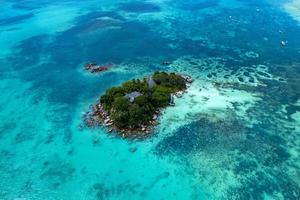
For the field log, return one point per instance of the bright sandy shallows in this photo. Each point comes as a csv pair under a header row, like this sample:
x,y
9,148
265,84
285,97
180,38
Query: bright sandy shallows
x,y
293,8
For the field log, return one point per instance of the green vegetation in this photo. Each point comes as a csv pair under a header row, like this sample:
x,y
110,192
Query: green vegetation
x,y
171,81
135,102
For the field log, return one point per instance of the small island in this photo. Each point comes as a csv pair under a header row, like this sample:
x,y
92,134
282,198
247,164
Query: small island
x,y
132,109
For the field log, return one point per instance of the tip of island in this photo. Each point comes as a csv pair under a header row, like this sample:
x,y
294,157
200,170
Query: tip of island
x,y
132,109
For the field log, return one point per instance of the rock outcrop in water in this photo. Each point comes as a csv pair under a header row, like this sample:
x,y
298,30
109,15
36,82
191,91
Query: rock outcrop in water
x,y
95,68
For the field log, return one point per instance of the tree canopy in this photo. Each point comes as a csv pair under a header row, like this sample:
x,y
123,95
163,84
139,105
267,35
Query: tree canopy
x,y
127,114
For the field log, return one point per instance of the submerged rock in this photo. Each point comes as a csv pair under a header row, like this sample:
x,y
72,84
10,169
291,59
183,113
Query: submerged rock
x,y
132,149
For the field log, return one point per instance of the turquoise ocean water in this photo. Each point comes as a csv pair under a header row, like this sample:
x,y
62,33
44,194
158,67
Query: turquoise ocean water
x,y
235,135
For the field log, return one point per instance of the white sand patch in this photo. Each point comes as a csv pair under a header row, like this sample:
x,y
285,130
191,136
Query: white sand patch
x,y
296,118
293,8
216,92
217,96
204,98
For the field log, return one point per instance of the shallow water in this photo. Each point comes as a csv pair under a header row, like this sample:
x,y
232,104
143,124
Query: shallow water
x,y
234,135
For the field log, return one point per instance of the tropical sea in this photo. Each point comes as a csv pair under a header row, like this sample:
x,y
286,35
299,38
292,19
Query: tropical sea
x,y
235,135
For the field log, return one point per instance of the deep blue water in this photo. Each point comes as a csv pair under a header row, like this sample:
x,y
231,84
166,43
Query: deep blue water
x,y
234,135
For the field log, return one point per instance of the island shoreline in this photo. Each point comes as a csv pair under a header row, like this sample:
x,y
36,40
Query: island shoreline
x,y
99,117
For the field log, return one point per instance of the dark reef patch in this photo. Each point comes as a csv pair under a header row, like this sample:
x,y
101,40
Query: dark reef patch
x,y
261,182
200,136
139,7
258,165
7,127
67,139
59,71
197,5
57,172
15,20
28,52
104,191
24,136
32,5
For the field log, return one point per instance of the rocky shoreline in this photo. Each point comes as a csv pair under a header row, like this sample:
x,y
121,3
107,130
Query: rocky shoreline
x,y
98,117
